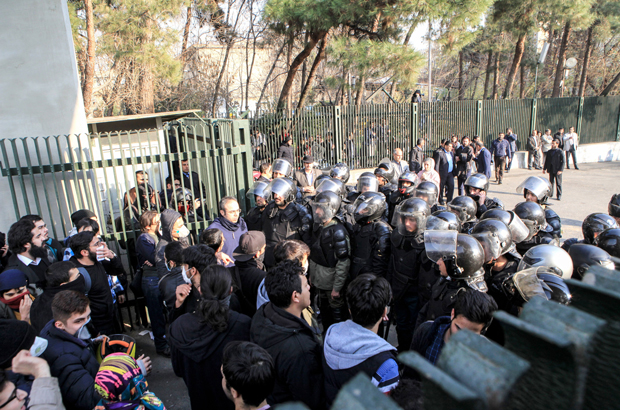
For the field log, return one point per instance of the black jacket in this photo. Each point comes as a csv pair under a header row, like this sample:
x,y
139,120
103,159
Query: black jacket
x,y
36,276
197,356
100,295
41,309
253,219
285,151
466,156
292,222
441,163
416,157
247,277
297,356
554,161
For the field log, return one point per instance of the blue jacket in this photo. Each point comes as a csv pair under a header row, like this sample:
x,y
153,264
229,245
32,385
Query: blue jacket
x,y
75,366
483,162
231,239
512,139
501,148
145,249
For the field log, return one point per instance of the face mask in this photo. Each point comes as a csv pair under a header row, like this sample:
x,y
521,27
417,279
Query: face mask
x,y
38,347
83,333
183,232
186,279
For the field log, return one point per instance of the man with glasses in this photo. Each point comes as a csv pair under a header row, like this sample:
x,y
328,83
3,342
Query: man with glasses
x,y
230,223
92,254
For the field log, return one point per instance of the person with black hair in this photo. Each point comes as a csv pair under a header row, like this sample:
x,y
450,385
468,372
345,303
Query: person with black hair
x,y
173,261
354,346
55,248
278,327
249,375
416,156
197,339
473,311
76,217
173,229
92,254
213,238
248,271
142,197
30,254
85,224
60,276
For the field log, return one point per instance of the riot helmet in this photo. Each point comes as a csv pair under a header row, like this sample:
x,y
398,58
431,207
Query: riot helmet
x,y
533,216
428,191
284,188
609,240
517,228
258,190
385,172
443,221
340,171
320,179
614,206
410,217
283,167
553,257
596,223
462,255
184,200
585,255
495,238
407,183
538,186
477,181
367,182
522,286
325,206
554,286
368,207
331,185
464,207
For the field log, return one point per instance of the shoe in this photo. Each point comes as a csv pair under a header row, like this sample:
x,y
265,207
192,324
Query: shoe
x,y
567,167
499,183
577,168
530,168
559,198
165,352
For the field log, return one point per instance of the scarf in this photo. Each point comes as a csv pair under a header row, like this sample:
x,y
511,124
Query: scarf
x,y
233,227
14,302
122,386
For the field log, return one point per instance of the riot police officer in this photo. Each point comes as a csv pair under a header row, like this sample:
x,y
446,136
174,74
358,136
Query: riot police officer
x,y
550,256
410,272
283,218
609,240
443,221
341,171
329,258
385,173
429,192
465,209
281,168
253,218
476,187
537,189
533,216
370,238
406,186
591,227
366,182
585,255
613,208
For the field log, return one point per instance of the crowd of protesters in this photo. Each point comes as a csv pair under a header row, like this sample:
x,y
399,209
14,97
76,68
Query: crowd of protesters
x,y
291,300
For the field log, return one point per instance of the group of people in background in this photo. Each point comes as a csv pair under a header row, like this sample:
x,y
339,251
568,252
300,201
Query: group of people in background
x,y
293,298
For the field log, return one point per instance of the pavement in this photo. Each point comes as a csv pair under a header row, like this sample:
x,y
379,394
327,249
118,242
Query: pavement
x,y
585,191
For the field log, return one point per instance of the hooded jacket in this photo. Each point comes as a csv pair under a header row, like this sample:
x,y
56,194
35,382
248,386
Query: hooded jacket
x,y
296,353
197,356
41,309
231,238
350,349
285,151
75,366
168,218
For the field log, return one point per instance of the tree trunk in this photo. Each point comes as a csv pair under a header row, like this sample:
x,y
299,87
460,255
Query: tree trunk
x,y
522,84
289,56
273,66
473,93
519,49
186,34
496,77
89,64
611,85
312,74
294,67
360,91
487,74
586,61
461,75
559,71
147,88
304,68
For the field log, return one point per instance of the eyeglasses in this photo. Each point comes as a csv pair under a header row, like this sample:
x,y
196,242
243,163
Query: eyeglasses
x,y
236,211
12,397
97,243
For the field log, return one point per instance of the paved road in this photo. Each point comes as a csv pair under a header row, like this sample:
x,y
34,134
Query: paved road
x,y
585,191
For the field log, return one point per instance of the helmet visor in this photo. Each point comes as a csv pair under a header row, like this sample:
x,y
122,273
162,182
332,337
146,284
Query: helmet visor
x,y
429,197
518,229
439,244
280,186
536,185
367,183
479,181
322,212
528,284
409,223
329,185
460,211
257,190
365,207
282,166
435,223
491,245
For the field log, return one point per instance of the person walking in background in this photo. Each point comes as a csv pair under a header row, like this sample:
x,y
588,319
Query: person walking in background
x,y
511,137
445,167
483,159
571,141
500,150
464,157
545,142
532,150
554,165
416,156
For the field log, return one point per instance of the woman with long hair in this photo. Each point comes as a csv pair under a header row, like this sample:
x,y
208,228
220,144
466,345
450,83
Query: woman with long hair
x,y
197,339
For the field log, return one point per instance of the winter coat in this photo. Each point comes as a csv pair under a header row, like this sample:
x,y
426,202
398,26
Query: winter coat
x,y
197,356
285,151
296,353
41,309
168,218
416,157
248,278
75,366
231,238
45,395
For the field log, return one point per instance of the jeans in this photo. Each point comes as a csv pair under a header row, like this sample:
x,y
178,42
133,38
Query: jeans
x,y
406,313
572,152
156,311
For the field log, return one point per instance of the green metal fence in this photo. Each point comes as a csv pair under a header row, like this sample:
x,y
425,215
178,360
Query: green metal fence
x,y
370,132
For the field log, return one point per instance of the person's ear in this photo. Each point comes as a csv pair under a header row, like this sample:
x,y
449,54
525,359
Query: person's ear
x,y
82,253
295,298
59,325
222,212
385,314
234,393
452,314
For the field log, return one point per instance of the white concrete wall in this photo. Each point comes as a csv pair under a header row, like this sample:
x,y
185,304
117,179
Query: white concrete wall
x,y
39,88
599,152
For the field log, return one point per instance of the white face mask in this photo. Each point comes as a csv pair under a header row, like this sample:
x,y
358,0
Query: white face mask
x,y
38,347
83,333
186,279
183,232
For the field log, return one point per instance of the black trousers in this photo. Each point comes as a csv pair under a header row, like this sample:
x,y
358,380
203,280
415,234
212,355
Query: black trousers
x,y
461,182
572,152
557,180
446,183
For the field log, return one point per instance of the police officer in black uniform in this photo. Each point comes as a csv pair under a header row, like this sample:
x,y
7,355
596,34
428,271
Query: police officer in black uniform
x,y
370,238
476,187
613,208
533,216
585,255
410,272
283,218
253,218
429,192
465,209
537,189
609,240
406,186
591,227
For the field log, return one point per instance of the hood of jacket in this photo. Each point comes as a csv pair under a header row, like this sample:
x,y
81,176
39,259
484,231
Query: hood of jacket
x,y
261,297
272,325
348,344
168,218
196,339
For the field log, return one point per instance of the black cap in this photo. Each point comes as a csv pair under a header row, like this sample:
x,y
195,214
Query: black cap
x,y
21,337
249,243
308,159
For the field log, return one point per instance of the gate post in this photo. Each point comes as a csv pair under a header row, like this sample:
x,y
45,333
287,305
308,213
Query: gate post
x,y
479,119
337,125
533,122
414,124
579,115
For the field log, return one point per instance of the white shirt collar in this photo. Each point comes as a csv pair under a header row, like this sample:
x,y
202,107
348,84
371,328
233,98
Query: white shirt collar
x,y
27,261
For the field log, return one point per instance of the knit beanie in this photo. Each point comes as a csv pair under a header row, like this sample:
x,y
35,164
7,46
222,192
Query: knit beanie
x,y
15,335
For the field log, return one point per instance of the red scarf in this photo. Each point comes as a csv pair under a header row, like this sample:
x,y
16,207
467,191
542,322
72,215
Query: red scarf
x,y
14,302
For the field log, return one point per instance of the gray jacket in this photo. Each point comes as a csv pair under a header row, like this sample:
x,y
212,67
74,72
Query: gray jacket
x,y
45,395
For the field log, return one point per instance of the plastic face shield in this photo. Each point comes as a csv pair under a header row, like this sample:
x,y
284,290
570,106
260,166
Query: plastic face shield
x,y
258,189
434,223
329,185
367,183
518,229
491,245
440,244
429,197
322,212
282,166
364,207
281,186
536,185
409,223
528,285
